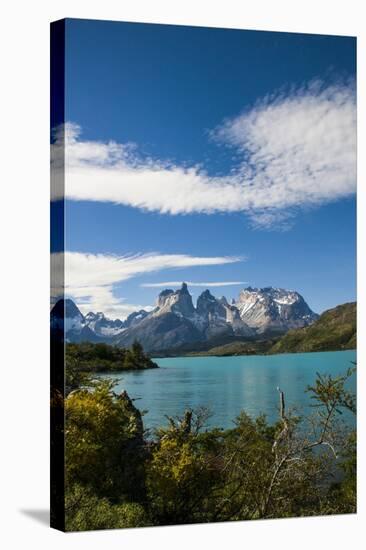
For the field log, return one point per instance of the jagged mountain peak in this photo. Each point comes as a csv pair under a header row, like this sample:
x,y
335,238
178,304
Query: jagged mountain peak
x,y
66,308
277,309
91,316
207,302
166,292
163,297
68,319
177,301
184,289
269,290
176,322
207,294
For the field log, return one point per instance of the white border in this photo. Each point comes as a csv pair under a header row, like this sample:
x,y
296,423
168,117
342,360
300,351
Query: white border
x,y
25,269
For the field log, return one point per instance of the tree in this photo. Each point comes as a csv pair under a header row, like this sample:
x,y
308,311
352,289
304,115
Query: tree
x,y
86,511
298,457
182,474
104,443
75,378
138,351
188,473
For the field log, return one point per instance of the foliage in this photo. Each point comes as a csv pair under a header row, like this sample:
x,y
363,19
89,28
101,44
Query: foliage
x,y
89,358
182,471
85,511
254,347
116,477
74,376
334,330
104,442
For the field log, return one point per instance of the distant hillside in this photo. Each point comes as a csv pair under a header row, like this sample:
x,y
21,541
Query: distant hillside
x,y
334,330
259,347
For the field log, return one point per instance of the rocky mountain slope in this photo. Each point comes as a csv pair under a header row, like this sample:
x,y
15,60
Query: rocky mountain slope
x,y
175,322
273,310
334,330
67,318
93,327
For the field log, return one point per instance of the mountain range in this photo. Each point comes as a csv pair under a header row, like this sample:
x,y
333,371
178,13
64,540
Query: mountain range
x,y
175,322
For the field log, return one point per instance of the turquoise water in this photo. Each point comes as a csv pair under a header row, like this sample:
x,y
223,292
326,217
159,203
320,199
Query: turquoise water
x,y
227,385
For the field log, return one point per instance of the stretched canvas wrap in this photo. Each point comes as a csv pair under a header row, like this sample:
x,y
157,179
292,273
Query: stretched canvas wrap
x,y
203,303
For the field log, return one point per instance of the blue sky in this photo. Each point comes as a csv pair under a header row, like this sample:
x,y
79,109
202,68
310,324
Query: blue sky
x,y
187,143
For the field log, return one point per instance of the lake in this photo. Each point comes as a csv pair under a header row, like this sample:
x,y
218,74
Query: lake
x,y
227,385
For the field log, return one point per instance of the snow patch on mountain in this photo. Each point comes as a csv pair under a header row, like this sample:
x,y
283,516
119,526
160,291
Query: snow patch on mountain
x,y
276,309
175,321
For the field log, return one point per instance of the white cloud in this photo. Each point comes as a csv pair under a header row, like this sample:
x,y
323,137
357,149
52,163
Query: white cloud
x,y
297,149
300,148
91,278
169,284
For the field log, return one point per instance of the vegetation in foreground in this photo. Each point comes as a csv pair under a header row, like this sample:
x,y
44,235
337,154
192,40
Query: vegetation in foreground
x,y
118,475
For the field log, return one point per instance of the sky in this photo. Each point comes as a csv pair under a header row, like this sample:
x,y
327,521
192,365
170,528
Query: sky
x,y
224,158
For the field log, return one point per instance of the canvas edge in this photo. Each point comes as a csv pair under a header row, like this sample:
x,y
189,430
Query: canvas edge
x,y
57,351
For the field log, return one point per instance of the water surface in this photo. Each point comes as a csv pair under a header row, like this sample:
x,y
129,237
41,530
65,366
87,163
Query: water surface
x,y
227,385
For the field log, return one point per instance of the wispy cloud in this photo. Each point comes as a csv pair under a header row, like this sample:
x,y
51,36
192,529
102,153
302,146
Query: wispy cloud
x,y
168,284
91,278
297,149
300,149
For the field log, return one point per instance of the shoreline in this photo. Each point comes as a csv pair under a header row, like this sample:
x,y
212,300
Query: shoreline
x,y
203,354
